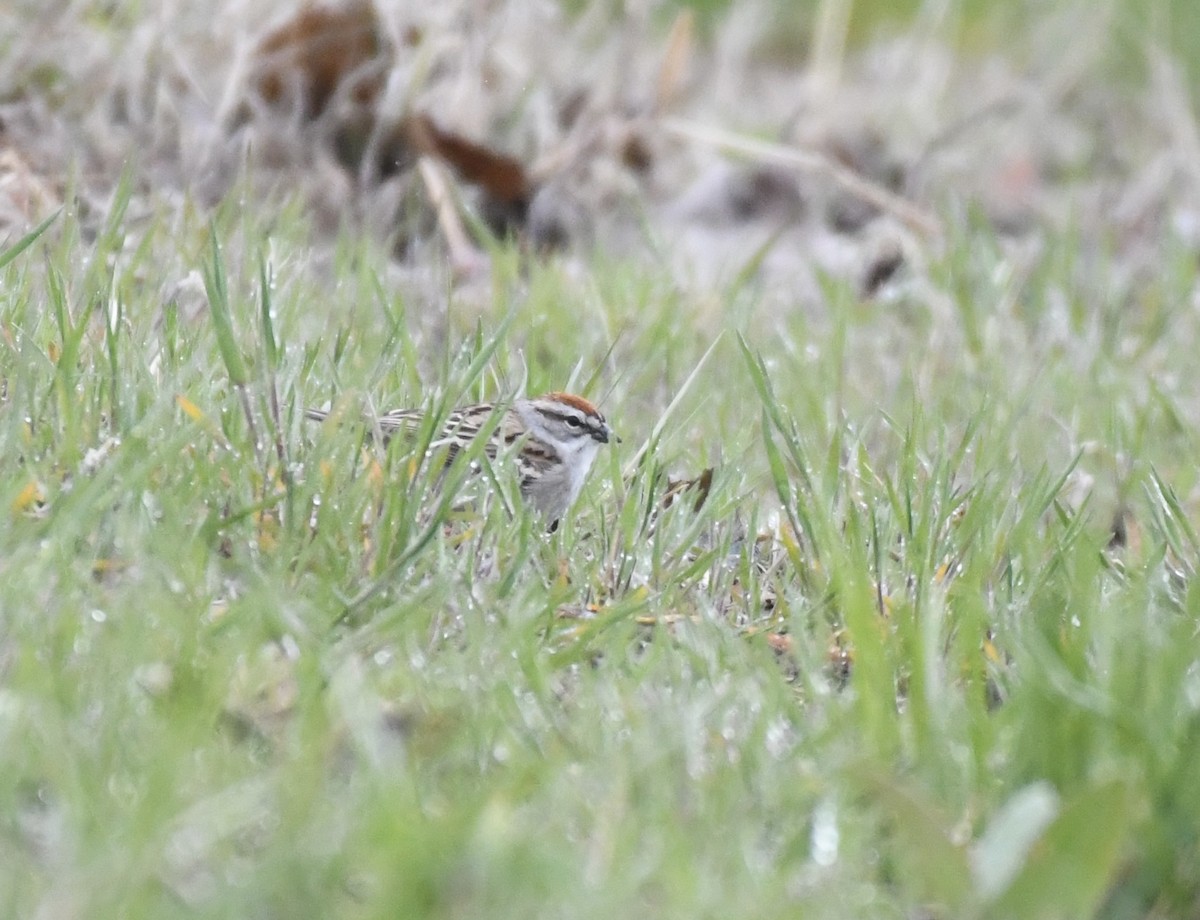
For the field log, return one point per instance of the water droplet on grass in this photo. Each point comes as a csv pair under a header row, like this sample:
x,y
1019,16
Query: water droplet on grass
x,y
825,835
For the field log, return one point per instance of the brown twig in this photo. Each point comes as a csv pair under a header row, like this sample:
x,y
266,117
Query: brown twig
x,y
913,216
465,257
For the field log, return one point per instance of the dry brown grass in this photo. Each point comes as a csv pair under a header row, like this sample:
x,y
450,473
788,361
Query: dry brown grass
x,y
607,118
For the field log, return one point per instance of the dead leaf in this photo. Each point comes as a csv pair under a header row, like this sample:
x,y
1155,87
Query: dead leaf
x,y
315,51
881,269
839,660
701,486
1125,532
577,611
30,499
502,178
635,152
781,643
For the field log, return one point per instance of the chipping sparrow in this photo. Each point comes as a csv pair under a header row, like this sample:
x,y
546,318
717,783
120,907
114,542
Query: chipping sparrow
x,y
557,435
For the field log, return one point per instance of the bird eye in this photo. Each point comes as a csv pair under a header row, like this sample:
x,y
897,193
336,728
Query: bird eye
x,y
572,422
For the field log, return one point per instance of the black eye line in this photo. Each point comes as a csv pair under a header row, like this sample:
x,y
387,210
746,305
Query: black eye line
x,y
574,421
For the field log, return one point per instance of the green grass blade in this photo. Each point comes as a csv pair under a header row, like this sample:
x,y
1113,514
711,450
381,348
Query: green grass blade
x,y
9,254
219,308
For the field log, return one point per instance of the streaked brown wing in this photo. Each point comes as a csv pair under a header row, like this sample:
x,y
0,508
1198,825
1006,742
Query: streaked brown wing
x,y
399,420
535,458
461,427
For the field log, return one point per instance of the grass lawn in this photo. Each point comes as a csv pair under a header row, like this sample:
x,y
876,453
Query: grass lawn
x,y
926,646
